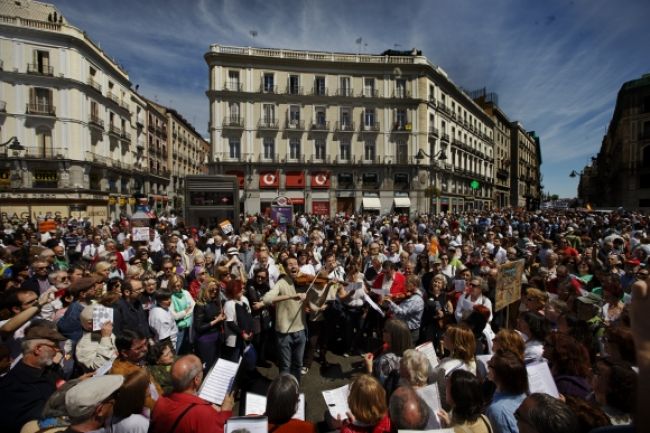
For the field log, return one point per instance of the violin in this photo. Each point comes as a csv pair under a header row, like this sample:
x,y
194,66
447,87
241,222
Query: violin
x,y
306,280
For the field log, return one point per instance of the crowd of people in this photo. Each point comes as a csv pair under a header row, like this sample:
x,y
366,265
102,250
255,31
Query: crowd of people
x,y
99,332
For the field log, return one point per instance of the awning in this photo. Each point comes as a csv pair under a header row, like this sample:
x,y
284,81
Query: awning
x,y
371,203
402,202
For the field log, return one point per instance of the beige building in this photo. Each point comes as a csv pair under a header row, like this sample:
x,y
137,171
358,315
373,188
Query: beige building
x,y
350,133
526,159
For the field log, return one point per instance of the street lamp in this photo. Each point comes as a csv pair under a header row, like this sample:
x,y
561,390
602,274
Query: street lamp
x,y
13,144
441,156
575,173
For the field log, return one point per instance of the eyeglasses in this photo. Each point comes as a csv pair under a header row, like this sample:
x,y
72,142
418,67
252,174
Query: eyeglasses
x,y
167,268
51,346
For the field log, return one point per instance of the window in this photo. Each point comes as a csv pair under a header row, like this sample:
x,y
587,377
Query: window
x,y
233,81
400,88
401,150
345,88
40,101
41,63
319,149
44,143
294,85
432,94
269,148
294,148
233,109
294,116
400,118
369,118
346,117
369,87
268,114
320,116
94,111
344,152
234,148
319,86
269,85
369,150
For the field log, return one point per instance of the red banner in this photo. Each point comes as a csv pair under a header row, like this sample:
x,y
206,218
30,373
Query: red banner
x,y
320,179
295,179
269,179
320,207
240,177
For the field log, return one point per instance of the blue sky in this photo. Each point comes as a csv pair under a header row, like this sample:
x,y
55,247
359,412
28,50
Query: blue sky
x,y
556,65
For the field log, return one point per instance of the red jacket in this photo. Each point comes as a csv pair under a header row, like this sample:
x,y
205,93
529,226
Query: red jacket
x,y
293,426
398,286
383,426
201,418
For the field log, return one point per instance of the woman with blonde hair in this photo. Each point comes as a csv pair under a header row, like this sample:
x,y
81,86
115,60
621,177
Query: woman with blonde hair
x,y
368,407
208,322
535,300
460,342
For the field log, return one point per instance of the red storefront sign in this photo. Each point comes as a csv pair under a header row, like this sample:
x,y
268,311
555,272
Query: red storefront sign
x,y
320,207
320,179
269,179
295,179
240,177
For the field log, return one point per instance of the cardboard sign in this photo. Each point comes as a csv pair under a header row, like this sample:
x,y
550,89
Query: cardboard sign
x,y
508,288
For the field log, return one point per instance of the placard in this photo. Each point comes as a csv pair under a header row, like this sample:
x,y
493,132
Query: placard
x,y
140,233
508,289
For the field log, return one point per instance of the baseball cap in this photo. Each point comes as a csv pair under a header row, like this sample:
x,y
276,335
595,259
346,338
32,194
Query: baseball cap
x,y
89,393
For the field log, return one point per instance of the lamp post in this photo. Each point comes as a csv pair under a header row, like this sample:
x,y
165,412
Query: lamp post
x,y
441,156
14,145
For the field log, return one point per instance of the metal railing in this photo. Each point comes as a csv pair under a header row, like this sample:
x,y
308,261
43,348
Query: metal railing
x,y
319,91
46,109
344,91
115,129
35,68
433,131
374,126
369,93
344,126
45,152
231,86
297,125
402,127
401,94
233,122
95,120
94,84
294,90
268,88
267,124
320,126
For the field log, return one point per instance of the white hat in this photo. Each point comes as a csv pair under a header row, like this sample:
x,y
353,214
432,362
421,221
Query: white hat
x,y
232,251
89,393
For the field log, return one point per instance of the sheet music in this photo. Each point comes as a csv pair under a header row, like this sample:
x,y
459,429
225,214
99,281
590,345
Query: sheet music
x,y
248,424
104,368
431,397
381,292
256,405
430,352
337,401
541,380
101,315
459,285
351,287
372,304
218,382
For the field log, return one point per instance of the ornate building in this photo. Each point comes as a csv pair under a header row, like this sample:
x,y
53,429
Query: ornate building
x,y
338,132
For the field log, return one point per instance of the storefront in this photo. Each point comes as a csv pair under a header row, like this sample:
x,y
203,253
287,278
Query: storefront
x,y
402,204
371,205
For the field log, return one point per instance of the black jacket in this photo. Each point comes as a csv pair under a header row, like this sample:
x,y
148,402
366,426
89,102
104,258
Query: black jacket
x,y
130,315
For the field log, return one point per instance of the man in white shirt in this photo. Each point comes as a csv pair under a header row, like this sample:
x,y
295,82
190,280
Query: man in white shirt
x,y
95,347
161,320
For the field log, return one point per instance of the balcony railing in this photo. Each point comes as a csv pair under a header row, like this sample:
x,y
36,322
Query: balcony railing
x,y
114,129
320,126
445,137
401,94
369,93
444,108
42,108
94,84
268,157
294,90
233,122
433,101
34,68
113,97
402,127
268,88
374,126
401,158
96,121
297,125
344,126
319,91
45,152
344,91
268,124
126,136
233,86
433,131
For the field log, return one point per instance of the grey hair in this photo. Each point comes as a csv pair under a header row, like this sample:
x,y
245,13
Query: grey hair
x,y
550,415
417,365
183,382
28,346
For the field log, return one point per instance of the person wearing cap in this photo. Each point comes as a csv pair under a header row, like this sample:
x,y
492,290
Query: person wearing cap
x,y
95,348
26,388
90,403
83,292
183,411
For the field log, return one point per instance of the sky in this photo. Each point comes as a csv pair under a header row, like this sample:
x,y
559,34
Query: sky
x,y
556,65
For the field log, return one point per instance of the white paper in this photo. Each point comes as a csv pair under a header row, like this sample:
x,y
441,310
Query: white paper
x,y
104,368
219,380
372,304
481,365
541,380
381,292
351,287
430,352
431,397
247,424
101,315
459,285
256,405
336,401
140,234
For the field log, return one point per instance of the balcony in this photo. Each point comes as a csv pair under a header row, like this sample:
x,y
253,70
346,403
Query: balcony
x,y
94,84
3,106
445,137
376,159
95,121
115,130
401,158
344,91
45,152
319,91
268,157
233,86
264,88
345,126
399,127
268,124
320,126
42,108
40,69
369,93
233,122
112,96
371,127
294,90
296,125
401,94
126,136
444,108
433,131
432,101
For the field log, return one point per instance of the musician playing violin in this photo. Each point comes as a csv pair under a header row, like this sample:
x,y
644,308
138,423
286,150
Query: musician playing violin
x,y
410,308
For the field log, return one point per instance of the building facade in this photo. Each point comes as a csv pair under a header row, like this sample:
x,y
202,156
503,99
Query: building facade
x,y
620,174
347,133
526,159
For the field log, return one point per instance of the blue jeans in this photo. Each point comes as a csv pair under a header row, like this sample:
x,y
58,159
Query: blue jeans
x,y
291,348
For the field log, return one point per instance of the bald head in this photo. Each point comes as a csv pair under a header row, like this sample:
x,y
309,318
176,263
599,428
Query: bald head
x,y
407,409
187,374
